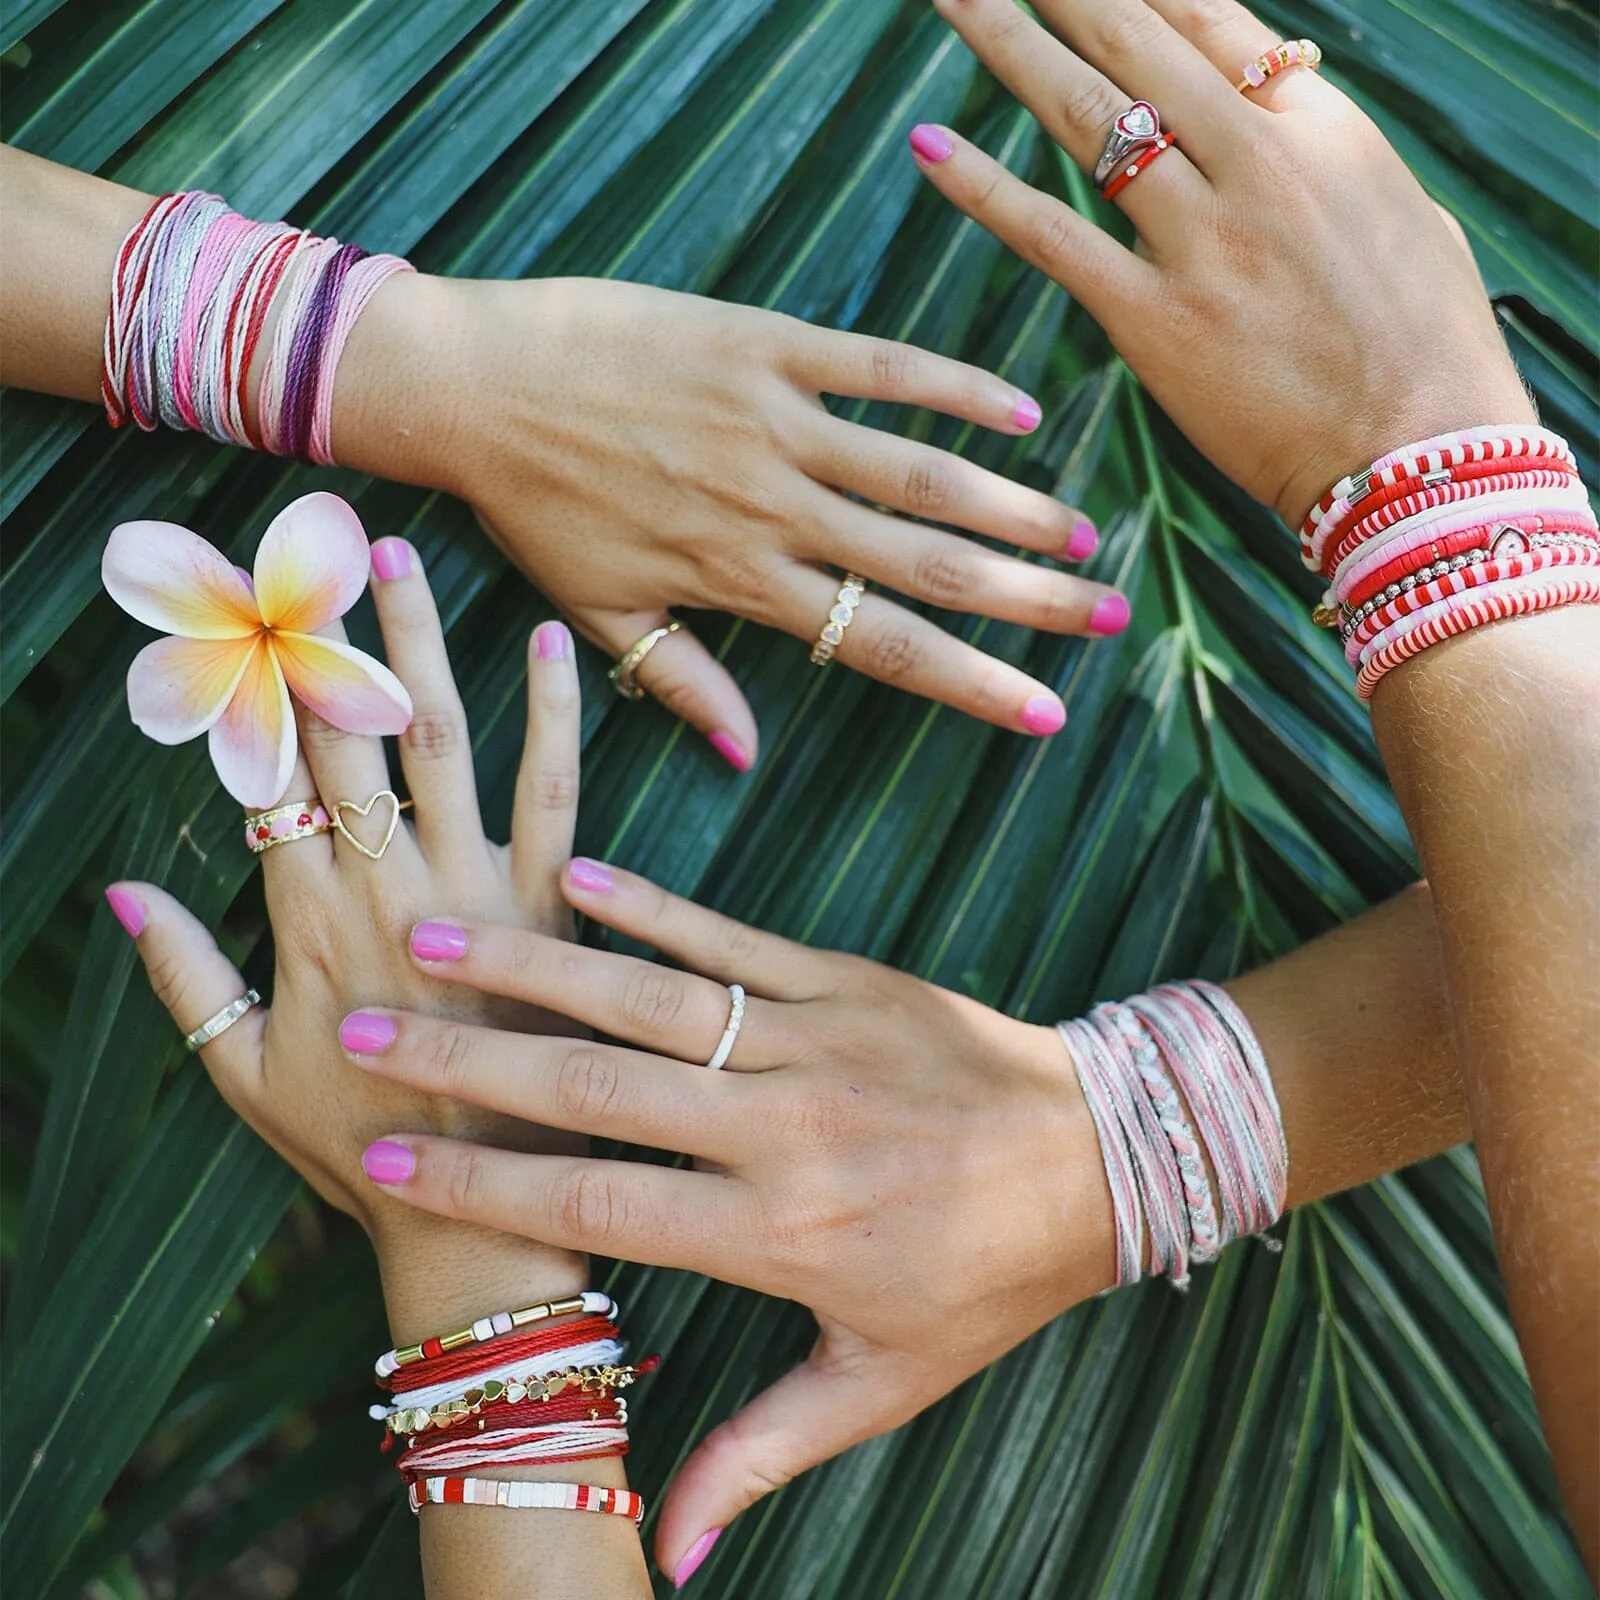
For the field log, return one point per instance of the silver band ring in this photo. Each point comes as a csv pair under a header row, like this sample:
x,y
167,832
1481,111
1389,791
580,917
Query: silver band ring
x,y
222,1021
719,1056
1136,129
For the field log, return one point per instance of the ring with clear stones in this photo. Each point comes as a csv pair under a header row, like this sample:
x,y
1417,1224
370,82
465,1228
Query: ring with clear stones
x,y
839,618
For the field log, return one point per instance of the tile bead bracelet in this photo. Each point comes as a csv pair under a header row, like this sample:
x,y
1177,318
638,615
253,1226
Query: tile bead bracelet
x,y
591,1302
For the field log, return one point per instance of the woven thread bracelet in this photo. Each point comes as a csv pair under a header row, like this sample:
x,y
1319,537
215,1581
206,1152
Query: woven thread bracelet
x,y
1133,1059
191,293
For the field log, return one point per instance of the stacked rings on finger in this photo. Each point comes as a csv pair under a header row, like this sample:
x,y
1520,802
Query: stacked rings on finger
x,y
719,1056
839,618
625,675
284,824
1121,180
1136,139
1291,53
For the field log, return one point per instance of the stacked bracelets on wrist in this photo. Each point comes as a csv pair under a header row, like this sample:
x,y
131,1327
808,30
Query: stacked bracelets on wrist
x,y
1447,535
189,300
1132,1060
534,1386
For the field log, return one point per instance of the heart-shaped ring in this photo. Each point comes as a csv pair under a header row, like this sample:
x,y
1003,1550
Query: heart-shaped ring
x,y
1136,129
342,806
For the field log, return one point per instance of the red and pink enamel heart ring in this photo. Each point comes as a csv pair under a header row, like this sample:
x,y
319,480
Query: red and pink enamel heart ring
x,y
1135,140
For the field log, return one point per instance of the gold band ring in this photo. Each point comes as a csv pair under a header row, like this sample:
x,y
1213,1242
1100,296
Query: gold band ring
x,y
299,819
839,618
625,675
221,1021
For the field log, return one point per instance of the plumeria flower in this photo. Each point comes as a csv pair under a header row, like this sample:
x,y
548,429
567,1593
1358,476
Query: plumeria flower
x,y
238,651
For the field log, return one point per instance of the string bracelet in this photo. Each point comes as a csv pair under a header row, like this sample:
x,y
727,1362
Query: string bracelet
x,y
590,1303
191,291
1174,1079
525,1369
526,1496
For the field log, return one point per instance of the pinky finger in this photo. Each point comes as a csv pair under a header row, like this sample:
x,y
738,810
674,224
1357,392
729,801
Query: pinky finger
x,y
194,980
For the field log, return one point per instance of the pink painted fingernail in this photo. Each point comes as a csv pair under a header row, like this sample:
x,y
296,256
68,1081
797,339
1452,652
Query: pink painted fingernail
x,y
128,909
590,876
438,941
730,749
553,640
1025,414
391,558
931,143
1083,541
695,1557
365,1033
1044,715
388,1161
1110,615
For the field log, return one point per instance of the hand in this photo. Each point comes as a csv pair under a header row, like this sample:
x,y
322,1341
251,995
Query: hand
x,y
342,923
917,1169
633,449
1298,306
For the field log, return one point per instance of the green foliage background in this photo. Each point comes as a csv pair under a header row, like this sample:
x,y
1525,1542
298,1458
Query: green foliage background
x,y
1347,1418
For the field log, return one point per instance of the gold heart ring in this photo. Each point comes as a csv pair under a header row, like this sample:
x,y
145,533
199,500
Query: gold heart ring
x,y
343,827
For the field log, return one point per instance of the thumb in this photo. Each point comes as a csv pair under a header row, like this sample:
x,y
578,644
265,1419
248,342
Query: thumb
x,y
823,1406
684,676
194,980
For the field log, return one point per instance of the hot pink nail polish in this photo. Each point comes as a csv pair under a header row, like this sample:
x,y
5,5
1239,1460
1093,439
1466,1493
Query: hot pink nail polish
x,y
695,1556
590,876
128,909
553,641
365,1033
730,749
388,1161
1084,540
1110,615
438,941
1044,715
931,143
1025,414
392,558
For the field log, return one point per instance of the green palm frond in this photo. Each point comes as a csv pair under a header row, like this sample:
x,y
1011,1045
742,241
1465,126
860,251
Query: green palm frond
x,y
1348,1417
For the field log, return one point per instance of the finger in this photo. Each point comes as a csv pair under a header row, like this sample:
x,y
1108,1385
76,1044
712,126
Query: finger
x,y
895,646
684,676
952,572
931,483
677,1013
556,1082
1077,93
866,368
657,1216
544,811
1231,37
1112,283
436,750
808,1416
194,980
296,865
706,941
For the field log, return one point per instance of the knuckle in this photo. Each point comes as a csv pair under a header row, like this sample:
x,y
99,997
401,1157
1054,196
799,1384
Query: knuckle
x,y
892,365
587,1084
1051,239
467,1181
1128,32
942,576
740,944
556,789
434,735
891,654
1095,106
448,1061
929,488
170,980
651,998
592,1208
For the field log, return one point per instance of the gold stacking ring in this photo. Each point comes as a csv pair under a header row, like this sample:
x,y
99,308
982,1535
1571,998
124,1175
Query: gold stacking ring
x,y
625,675
840,618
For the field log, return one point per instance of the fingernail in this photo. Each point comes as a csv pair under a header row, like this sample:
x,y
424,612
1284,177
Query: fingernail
x,y
1110,615
365,1033
1044,715
1083,541
1025,413
438,941
391,558
388,1162
590,876
931,143
553,640
730,749
128,909
696,1555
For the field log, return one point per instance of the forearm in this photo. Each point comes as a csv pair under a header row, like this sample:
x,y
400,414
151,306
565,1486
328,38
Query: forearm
x,y
1493,745
446,1276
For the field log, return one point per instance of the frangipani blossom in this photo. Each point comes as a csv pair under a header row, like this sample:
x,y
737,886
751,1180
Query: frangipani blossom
x,y
237,654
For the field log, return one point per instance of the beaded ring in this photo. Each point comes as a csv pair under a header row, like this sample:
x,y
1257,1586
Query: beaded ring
x,y
1291,53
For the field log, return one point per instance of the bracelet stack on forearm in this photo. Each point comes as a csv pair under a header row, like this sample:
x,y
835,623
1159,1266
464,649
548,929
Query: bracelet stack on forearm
x,y
530,1387
1447,535
1146,1066
190,300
